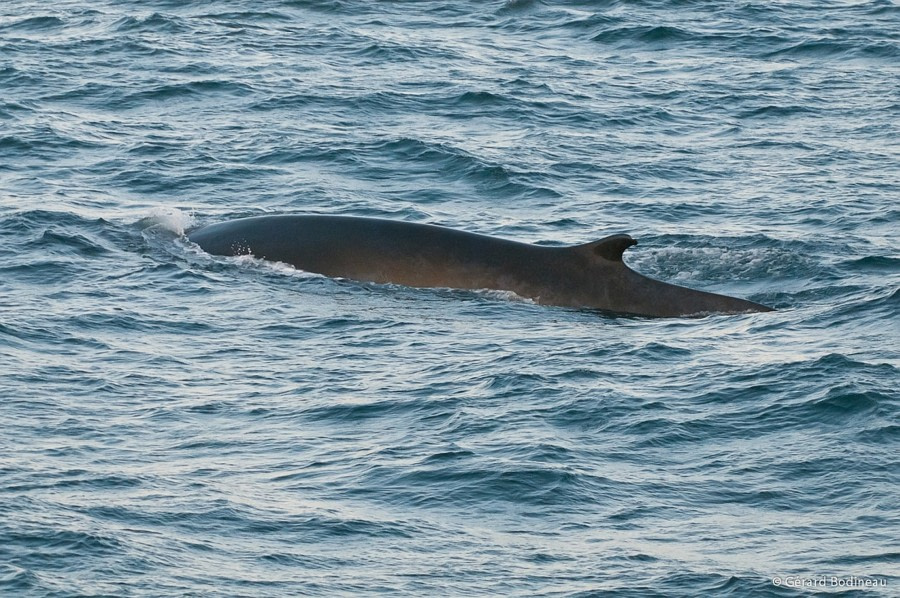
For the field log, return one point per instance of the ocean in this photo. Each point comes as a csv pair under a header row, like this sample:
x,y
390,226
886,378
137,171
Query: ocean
x,y
179,424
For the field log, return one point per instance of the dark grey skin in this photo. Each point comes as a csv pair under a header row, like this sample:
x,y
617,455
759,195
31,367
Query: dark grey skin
x,y
592,275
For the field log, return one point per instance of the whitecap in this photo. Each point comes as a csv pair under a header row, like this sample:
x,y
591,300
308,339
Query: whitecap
x,y
170,219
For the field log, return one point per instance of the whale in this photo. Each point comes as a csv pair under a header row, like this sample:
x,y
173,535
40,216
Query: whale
x,y
590,275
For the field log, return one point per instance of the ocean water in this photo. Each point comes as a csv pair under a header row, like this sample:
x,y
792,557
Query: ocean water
x,y
177,424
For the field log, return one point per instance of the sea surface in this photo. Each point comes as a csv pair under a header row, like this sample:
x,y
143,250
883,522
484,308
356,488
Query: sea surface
x,y
178,424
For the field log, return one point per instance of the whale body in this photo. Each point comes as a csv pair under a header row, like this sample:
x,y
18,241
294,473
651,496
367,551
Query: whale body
x,y
591,275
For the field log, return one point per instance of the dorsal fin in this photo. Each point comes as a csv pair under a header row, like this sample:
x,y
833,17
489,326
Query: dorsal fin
x,y
609,248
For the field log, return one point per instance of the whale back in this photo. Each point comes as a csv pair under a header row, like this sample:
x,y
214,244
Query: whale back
x,y
590,275
375,250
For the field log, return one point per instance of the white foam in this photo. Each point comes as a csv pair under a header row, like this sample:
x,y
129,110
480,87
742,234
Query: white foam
x,y
170,219
282,268
502,295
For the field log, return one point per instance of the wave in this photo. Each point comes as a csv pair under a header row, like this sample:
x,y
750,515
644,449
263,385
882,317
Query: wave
x,y
34,24
178,91
247,18
154,22
831,48
873,263
757,258
647,35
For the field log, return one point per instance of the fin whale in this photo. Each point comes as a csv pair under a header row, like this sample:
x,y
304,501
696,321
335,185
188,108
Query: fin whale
x,y
592,275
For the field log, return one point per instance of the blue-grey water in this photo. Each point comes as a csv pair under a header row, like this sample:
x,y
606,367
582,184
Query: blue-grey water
x,y
177,424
